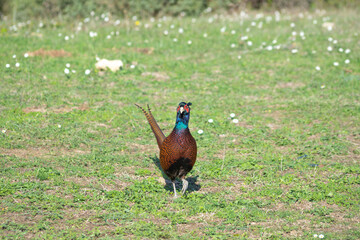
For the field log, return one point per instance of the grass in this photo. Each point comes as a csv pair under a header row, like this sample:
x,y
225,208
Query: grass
x,y
78,159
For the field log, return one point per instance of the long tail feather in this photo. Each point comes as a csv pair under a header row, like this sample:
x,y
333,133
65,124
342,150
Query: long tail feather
x,y
154,126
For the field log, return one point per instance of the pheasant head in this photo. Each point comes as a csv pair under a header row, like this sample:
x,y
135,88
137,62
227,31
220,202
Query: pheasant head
x,y
183,116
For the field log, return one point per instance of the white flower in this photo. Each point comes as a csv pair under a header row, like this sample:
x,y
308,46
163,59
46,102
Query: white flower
x,y
302,34
322,86
73,71
66,71
66,38
7,65
315,22
313,51
341,50
14,56
210,120
233,31
3,131
292,25
253,24
223,29
336,64
172,26
59,126
269,48
249,43
106,19
175,40
294,33
239,57
108,37
235,120
243,38
330,39
274,41
335,42
205,35
347,51
233,45
232,115
329,48
315,235
87,71
132,66
189,42
181,30
17,64
317,68
67,65
200,131
294,51
321,236
26,55
129,43
347,61
166,32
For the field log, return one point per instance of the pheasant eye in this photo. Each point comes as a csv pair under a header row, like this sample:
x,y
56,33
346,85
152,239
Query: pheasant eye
x,y
186,108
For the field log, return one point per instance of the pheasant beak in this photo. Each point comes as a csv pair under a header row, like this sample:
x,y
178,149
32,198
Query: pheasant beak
x,y
181,110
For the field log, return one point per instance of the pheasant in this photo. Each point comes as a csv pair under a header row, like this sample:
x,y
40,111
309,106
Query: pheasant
x,y
178,150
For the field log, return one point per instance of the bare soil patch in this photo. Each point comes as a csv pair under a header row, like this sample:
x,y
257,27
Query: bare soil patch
x,y
51,53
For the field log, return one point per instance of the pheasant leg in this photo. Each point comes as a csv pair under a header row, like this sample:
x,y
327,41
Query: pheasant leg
x,y
175,195
185,186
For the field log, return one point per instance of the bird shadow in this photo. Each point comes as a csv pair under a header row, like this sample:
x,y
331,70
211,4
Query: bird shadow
x,y
192,187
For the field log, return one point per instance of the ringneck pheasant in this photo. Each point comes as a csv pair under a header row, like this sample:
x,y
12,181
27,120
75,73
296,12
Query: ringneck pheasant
x,y
178,150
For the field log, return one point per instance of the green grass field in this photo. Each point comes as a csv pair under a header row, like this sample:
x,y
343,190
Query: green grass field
x,y
78,159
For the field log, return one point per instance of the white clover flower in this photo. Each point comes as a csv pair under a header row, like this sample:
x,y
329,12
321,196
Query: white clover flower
x,y
73,71
269,48
294,33
67,65
321,236
7,65
317,68
66,38
274,41
210,120
239,57
59,126
347,51
14,56
172,26
313,51
17,64
329,48
243,38
200,131
253,24
26,55
315,22
108,37
292,24
181,30
166,32
106,19
132,66
232,115
294,51
205,35
189,42
302,34
233,45
330,39
347,61
175,40
335,41
315,235
235,120
66,71
336,64
322,86
233,32
223,29
87,71
247,29
3,131
129,43
249,43
341,50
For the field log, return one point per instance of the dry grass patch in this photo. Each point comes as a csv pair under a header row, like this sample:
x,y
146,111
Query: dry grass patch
x,y
50,53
